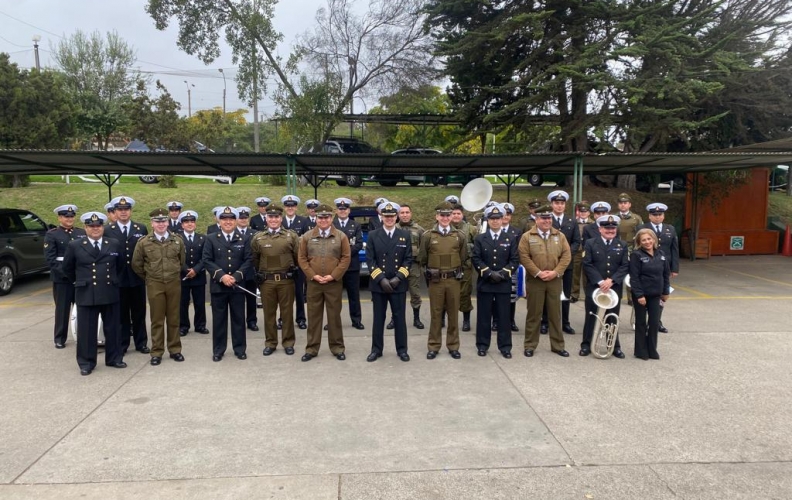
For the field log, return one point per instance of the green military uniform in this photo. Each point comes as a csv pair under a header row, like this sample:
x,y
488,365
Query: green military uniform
x,y
319,256
466,283
159,262
578,276
443,253
275,259
415,270
538,254
530,222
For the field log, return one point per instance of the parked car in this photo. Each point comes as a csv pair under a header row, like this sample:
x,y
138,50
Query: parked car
x,y
22,246
412,180
344,145
539,179
137,145
361,215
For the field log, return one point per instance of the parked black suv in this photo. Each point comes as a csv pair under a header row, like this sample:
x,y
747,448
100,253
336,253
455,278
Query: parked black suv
x,y
21,246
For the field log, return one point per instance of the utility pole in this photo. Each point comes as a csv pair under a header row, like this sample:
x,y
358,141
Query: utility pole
x,y
36,39
256,141
224,90
189,98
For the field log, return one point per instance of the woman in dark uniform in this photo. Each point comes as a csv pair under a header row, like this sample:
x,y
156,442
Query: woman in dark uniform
x,y
650,275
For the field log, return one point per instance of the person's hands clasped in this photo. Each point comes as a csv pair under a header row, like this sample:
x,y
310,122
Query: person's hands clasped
x,y
606,285
228,280
386,286
548,275
394,282
495,277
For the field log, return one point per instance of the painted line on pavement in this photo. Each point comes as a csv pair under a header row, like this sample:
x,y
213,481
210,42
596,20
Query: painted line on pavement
x,y
784,283
691,290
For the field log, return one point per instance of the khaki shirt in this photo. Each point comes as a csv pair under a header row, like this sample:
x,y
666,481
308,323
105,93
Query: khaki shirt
x,y
159,262
628,227
443,252
274,253
537,254
324,256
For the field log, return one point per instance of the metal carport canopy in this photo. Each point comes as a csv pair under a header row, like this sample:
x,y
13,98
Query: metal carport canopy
x,y
167,163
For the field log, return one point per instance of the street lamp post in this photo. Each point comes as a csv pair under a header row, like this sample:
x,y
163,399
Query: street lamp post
x,y
189,98
36,39
224,90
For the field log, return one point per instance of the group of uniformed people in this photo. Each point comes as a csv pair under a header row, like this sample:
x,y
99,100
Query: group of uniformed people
x,y
111,267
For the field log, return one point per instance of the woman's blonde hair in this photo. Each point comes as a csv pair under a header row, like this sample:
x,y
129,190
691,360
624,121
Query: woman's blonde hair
x,y
643,231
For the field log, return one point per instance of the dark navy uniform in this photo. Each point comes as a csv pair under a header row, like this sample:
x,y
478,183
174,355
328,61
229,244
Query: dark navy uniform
x,y
55,243
351,280
300,226
499,256
96,291
600,262
389,258
251,312
650,278
568,227
222,257
195,287
132,286
668,241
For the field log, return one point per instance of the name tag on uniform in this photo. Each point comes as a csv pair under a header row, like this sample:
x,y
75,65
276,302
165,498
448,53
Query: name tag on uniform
x,y
267,246
59,259
644,259
114,254
401,246
434,242
505,245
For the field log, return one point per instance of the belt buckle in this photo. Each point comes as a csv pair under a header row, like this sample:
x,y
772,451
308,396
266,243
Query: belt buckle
x,y
444,276
277,277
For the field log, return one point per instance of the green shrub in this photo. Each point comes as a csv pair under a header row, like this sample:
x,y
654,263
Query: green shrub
x,y
167,181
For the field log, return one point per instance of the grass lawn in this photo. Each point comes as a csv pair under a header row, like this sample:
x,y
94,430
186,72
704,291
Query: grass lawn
x,y
47,192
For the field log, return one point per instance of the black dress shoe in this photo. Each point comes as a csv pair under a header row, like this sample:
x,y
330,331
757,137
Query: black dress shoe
x,y
326,327
85,372
404,356
117,364
543,329
202,330
178,357
654,356
289,350
280,324
373,356
144,350
514,327
217,358
465,326
155,360
253,327
494,326
506,354
563,353
268,351
431,355
183,332
618,353
568,329
418,324
301,325
528,353
306,357
572,300
455,354
390,325
358,325
340,356
662,329
482,352
241,356
59,345
645,358
584,351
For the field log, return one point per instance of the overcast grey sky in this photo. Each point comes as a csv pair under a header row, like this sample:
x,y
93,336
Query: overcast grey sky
x,y
156,50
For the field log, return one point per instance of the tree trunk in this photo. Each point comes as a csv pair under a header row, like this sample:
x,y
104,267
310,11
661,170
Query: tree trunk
x,y
626,182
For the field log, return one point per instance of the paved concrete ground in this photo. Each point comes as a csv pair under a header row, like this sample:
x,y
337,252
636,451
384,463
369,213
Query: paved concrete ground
x,y
710,420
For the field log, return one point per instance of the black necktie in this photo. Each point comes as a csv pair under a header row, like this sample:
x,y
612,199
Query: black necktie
x,y
190,238
657,228
390,235
495,236
96,246
124,232
608,243
162,240
228,238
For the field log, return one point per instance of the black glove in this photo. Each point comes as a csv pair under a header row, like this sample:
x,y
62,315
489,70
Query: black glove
x,y
386,286
394,282
486,275
495,277
259,279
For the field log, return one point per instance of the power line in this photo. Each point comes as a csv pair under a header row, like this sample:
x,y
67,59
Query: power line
x,y
12,43
31,25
